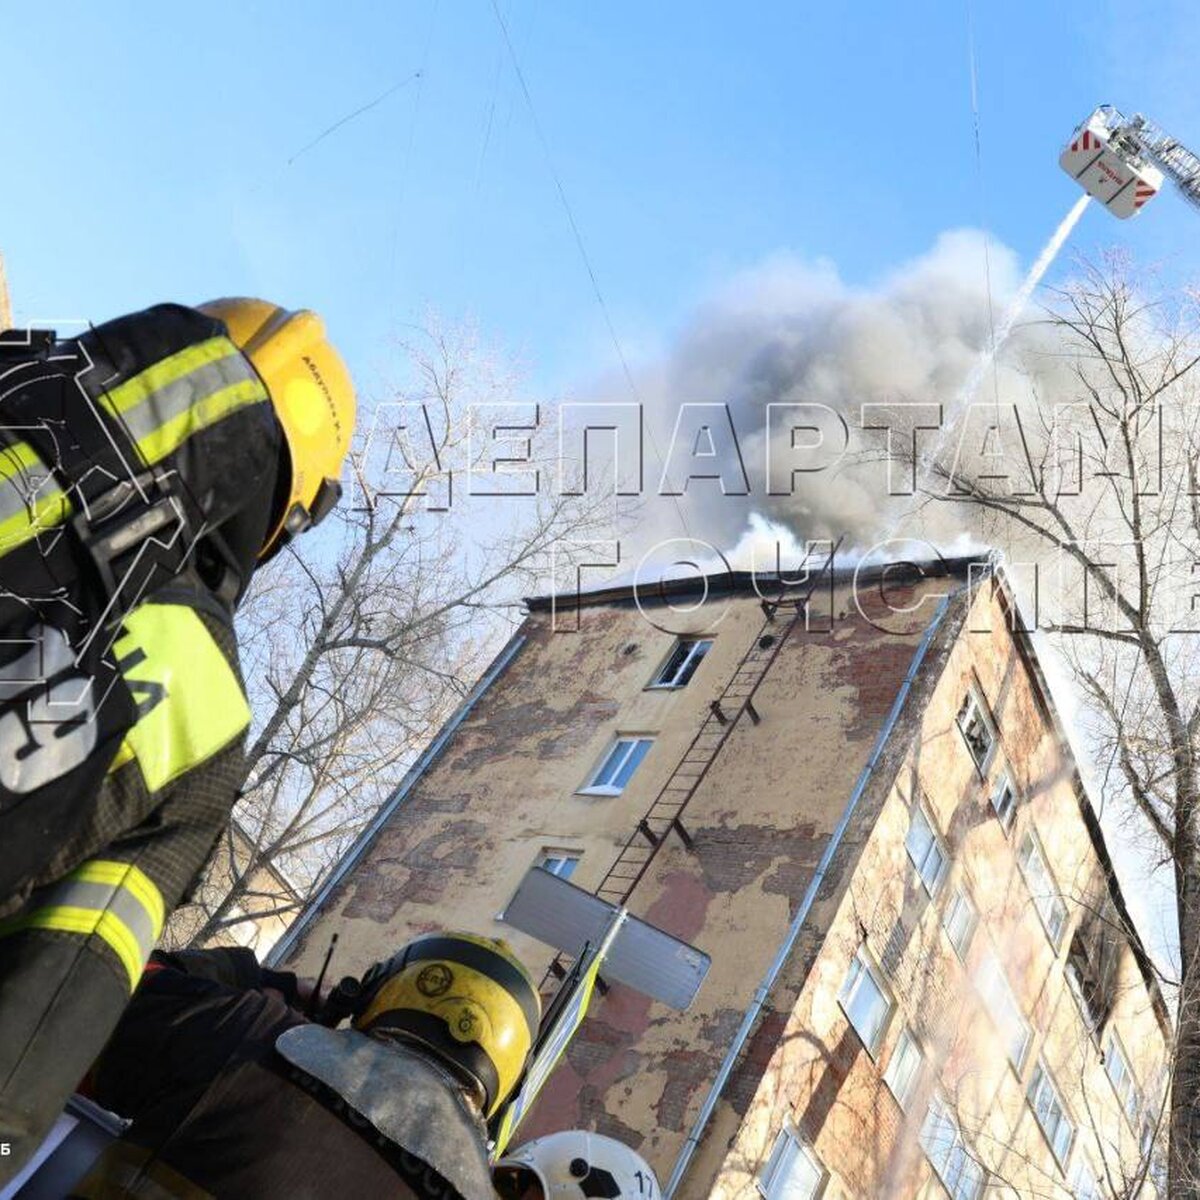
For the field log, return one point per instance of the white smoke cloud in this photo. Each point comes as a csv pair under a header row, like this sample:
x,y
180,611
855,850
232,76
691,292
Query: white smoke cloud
x,y
794,331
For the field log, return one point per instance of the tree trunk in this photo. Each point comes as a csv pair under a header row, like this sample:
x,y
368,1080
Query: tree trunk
x,y
1185,1089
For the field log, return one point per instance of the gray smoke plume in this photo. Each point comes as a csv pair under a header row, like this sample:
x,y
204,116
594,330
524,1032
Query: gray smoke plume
x,y
790,331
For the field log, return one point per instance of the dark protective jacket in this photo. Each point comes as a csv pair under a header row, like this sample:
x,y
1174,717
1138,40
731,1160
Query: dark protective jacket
x,y
137,463
138,469
234,1093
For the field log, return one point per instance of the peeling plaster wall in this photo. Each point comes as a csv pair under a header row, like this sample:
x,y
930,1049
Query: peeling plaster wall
x,y
821,1077
505,788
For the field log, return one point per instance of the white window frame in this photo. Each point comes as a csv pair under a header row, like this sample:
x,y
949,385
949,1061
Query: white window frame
x,y
974,703
1002,784
849,989
950,1167
1131,1099
1042,1081
1041,897
932,887
908,1058
549,854
788,1147
592,788
958,898
694,644
991,967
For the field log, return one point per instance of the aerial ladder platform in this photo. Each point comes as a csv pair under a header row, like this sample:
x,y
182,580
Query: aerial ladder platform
x,y
1122,161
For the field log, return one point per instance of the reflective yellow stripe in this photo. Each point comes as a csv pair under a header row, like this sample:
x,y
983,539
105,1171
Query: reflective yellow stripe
x,y
114,901
200,415
47,511
200,707
182,394
166,371
86,921
29,505
18,457
133,880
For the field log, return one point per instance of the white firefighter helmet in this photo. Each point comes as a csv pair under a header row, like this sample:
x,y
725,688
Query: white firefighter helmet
x,y
574,1165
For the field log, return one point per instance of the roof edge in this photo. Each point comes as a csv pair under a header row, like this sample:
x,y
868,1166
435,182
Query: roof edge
x,y
764,583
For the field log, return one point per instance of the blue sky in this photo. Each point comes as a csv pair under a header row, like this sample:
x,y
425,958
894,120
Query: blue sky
x,y
147,153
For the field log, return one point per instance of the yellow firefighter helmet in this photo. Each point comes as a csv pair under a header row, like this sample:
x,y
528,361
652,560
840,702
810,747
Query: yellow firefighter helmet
x,y
466,998
313,397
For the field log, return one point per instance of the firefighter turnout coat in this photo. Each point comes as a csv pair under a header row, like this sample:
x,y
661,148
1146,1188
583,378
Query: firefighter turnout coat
x,y
138,467
232,1092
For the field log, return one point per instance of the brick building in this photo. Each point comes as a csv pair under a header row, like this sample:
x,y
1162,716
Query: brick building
x,y
924,980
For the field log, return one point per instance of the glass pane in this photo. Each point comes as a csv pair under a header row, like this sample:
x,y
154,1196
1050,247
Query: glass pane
x,y
616,757
627,768
960,920
902,1067
799,1180
696,652
971,1184
865,1005
671,666
1003,802
938,1135
931,869
559,865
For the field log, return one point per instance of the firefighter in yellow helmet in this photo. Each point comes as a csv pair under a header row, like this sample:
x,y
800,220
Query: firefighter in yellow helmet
x,y
147,467
234,1092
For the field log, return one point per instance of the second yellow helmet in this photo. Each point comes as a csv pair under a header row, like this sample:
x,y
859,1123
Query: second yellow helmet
x,y
469,999
313,398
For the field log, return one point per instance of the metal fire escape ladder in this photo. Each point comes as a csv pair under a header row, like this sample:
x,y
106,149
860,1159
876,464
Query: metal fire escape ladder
x,y
737,697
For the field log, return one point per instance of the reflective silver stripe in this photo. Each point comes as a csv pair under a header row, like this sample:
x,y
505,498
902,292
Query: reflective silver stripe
x,y
173,399
101,897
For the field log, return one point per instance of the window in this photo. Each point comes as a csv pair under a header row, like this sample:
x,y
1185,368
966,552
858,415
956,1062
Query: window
x,y
1051,1113
925,850
976,728
1120,1074
559,862
1004,801
1004,1010
864,1000
618,766
903,1068
942,1141
682,662
959,921
1050,905
1084,1184
792,1172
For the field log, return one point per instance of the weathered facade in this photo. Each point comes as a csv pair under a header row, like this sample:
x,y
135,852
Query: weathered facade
x,y
954,982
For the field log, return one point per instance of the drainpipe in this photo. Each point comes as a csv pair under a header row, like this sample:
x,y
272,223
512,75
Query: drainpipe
x,y
424,761
785,950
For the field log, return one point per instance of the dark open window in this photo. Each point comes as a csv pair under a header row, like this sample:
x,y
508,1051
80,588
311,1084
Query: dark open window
x,y
682,662
1093,961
